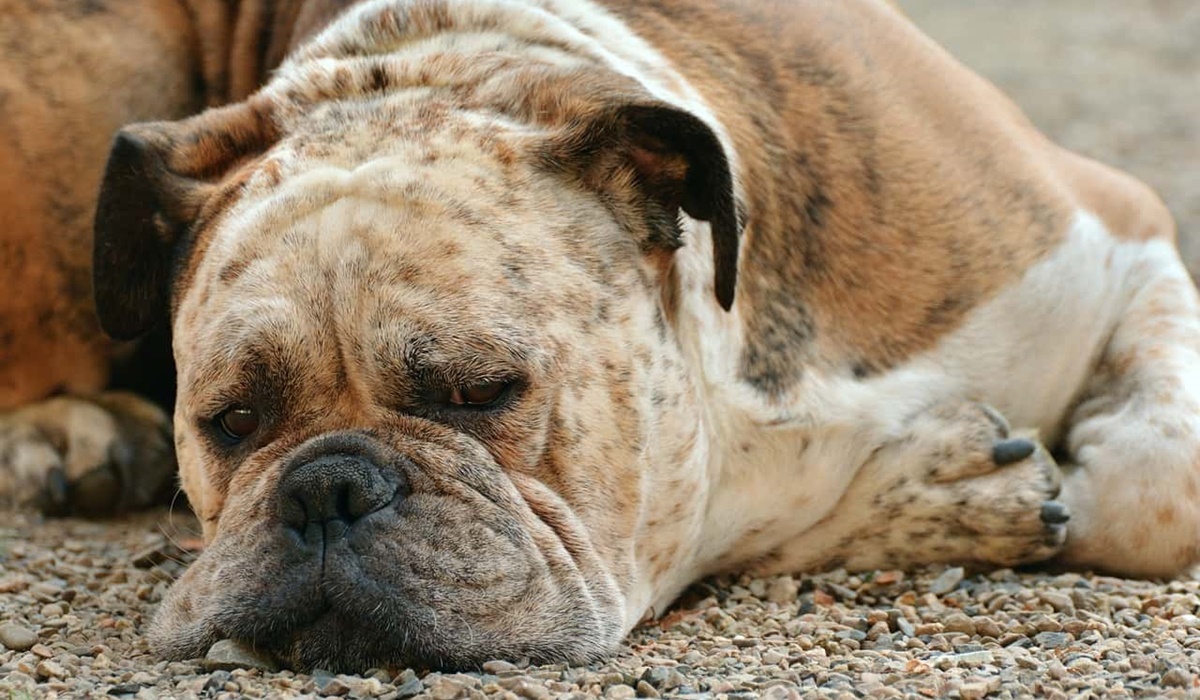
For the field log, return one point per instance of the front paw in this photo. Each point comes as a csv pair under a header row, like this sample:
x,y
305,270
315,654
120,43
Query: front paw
x,y
1011,510
90,456
988,493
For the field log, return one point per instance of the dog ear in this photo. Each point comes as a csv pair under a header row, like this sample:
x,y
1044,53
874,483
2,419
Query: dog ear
x,y
157,179
674,161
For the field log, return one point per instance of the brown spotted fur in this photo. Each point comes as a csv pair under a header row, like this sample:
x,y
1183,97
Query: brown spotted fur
x,y
876,216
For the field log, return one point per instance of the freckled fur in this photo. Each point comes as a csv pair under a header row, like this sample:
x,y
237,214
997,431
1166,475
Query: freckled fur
x,y
404,199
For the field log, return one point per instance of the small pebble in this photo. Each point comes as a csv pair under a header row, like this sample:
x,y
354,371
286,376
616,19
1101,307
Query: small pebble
x,y
16,637
970,658
336,686
47,669
783,590
498,667
228,655
440,688
1177,677
620,692
1052,640
409,686
947,581
958,622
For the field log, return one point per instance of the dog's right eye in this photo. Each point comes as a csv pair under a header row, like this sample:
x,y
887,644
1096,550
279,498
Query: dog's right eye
x,y
473,397
477,395
238,422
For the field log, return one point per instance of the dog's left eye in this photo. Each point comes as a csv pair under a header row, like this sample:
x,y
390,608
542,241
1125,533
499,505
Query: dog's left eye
x,y
238,422
478,394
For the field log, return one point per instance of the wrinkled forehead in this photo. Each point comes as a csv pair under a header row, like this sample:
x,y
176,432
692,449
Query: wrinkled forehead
x,y
357,190
384,212
336,234
396,242
359,265
342,234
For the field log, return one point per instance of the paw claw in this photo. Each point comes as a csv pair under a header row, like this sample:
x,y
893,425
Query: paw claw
x,y
1055,513
1007,452
56,487
997,419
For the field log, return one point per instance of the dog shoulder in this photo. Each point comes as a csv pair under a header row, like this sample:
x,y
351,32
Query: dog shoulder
x,y
888,192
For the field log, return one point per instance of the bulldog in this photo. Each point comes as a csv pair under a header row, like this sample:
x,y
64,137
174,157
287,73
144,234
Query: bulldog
x,y
498,323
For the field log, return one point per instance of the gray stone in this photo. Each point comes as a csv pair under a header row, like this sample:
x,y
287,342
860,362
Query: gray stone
x,y
217,681
664,678
947,581
1052,640
228,655
408,685
16,637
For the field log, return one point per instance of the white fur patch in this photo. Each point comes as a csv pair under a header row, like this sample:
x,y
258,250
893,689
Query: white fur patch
x,y
1027,352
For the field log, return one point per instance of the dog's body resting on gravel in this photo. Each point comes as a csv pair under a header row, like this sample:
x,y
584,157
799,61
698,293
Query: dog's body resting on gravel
x,y
498,323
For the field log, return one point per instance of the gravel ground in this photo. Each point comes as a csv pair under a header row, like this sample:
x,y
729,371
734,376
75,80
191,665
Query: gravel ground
x,y
76,596
1114,79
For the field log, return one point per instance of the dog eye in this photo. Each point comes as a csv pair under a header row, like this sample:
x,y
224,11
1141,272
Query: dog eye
x,y
477,395
238,422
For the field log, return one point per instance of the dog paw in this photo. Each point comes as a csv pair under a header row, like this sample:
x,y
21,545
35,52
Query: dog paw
x,y
983,494
92,456
1009,514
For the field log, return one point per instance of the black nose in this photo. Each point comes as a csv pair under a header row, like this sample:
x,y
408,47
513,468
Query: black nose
x,y
324,496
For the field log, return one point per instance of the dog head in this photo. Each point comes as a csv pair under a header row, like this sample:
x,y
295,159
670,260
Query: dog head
x,y
430,408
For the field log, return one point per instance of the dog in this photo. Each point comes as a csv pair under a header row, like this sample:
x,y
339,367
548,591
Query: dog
x,y
496,324
82,423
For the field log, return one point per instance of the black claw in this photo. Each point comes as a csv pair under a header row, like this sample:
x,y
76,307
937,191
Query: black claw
x,y
1054,535
997,419
1014,450
1055,513
55,492
56,487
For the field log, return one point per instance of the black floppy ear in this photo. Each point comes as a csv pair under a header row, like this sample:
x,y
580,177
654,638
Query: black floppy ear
x,y
158,177
677,162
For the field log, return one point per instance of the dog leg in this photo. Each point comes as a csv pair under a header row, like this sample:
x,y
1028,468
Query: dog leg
x,y
99,455
1132,472
952,486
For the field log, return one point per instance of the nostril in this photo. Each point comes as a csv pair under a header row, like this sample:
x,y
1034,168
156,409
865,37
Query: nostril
x,y
334,488
344,511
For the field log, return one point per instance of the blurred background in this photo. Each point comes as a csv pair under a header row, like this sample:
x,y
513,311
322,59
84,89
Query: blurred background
x,y
1117,80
